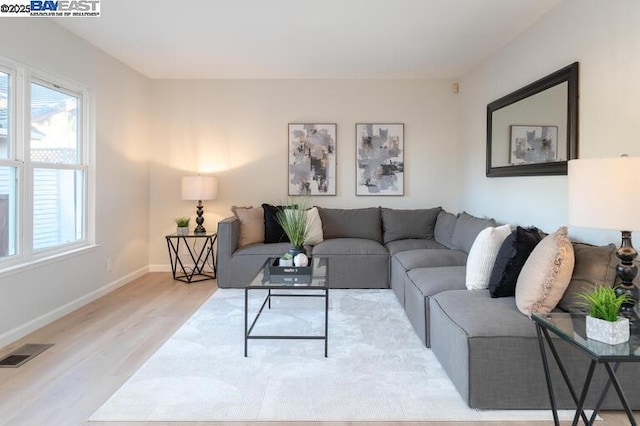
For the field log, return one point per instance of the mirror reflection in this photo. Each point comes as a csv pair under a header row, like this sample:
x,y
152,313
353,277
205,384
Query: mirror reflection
x,y
533,131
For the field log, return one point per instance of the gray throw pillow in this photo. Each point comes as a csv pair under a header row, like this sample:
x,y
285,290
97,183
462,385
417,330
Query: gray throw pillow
x,y
594,265
407,224
351,223
467,229
445,224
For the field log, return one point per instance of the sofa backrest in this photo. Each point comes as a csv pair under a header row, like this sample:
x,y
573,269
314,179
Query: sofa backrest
x,y
351,223
467,229
445,224
408,224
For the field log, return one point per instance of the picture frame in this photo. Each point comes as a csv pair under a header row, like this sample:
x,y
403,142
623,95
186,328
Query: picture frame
x,y
533,144
312,159
380,159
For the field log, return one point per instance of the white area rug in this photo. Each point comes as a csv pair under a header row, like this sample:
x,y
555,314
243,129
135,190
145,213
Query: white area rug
x,y
377,367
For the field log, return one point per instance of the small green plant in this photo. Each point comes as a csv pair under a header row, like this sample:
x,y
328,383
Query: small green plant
x,y
604,303
286,256
182,221
293,220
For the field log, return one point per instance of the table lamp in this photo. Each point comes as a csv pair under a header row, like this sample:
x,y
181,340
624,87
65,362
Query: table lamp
x,y
602,195
199,188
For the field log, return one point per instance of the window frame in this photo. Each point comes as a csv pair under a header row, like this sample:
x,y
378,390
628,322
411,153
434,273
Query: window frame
x,y
19,152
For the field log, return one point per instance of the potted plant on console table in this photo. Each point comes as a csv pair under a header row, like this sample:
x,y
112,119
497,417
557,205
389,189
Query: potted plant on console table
x,y
603,322
182,224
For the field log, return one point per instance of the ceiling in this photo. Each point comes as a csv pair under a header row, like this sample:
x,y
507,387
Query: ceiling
x,y
377,39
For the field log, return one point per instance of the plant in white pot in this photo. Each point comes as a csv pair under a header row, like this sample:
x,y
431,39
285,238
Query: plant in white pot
x,y
183,225
603,322
293,220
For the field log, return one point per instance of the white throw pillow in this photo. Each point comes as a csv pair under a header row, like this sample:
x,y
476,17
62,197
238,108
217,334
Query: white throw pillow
x,y
546,274
482,256
314,228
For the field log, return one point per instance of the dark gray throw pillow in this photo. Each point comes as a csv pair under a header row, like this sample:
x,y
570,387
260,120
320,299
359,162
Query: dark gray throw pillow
x,y
408,224
594,265
512,255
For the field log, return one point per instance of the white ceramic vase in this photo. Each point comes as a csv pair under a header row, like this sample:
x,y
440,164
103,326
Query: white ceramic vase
x,y
182,230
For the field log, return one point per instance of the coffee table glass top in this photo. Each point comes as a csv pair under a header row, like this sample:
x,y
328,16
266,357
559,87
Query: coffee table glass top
x,y
318,276
572,328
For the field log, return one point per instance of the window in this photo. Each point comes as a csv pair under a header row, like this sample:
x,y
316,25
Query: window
x,y
44,167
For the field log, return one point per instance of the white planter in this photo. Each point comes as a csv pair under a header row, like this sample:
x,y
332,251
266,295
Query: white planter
x,y
182,230
285,262
609,332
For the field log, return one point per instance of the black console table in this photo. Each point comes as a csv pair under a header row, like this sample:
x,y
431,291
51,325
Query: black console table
x,y
201,253
571,329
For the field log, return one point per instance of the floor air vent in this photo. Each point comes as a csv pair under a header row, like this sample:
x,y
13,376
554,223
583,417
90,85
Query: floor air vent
x,y
22,355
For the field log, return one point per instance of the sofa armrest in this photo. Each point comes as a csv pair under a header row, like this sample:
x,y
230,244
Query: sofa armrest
x,y
228,237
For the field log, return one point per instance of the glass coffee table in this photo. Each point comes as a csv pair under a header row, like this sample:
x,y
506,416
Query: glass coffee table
x,y
316,285
571,328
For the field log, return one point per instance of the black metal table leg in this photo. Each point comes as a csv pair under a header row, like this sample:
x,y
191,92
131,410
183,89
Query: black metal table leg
x,y
623,399
246,319
585,391
547,375
326,322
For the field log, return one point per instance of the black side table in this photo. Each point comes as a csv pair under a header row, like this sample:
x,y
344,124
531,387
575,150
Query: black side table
x,y
571,329
198,256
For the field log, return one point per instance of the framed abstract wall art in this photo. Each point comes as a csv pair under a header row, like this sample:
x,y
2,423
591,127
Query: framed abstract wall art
x,y
380,159
312,159
533,144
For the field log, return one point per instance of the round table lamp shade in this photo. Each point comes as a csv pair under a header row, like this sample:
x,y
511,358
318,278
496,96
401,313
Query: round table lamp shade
x,y
199,188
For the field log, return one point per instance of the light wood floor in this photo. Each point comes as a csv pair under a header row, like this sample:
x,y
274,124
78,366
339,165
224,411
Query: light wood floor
x,y
98,347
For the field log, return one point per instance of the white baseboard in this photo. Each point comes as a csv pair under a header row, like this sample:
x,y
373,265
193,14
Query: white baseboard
x,y
21,331
160,268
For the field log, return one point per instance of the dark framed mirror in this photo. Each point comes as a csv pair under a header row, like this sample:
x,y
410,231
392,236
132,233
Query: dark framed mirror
x,y
534,130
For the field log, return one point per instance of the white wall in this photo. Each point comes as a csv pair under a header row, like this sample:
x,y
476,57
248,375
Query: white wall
x,y
32,297
605,38
237,130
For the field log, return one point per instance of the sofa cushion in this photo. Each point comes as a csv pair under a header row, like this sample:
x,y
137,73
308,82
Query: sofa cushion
x,y
430,258
546,274
482,256
404,224
251,224
593,266
273,232
430,281
314,227
445,224
412,244
511,257
351,223
467,229
350,246
478,315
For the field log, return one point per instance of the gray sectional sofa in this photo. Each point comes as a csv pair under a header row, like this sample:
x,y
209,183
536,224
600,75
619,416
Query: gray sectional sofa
x,y
487,347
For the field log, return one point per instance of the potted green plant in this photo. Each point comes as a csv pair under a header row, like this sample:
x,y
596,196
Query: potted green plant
x,y
286,260
183,225
603,322
293,220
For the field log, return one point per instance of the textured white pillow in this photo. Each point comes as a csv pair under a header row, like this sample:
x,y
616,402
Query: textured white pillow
x,y
482,256
546,274
314,228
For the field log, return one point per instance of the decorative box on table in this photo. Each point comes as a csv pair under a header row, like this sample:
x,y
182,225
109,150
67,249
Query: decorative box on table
x,y
290,274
